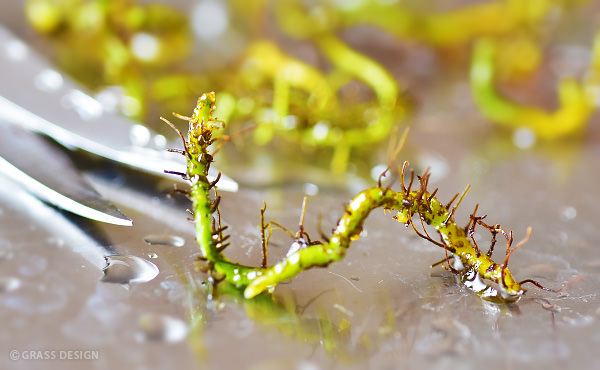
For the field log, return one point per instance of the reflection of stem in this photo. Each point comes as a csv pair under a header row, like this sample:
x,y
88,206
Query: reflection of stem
x,y
282,314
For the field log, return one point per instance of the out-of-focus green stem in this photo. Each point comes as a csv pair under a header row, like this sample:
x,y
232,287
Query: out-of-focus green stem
x,y
575,104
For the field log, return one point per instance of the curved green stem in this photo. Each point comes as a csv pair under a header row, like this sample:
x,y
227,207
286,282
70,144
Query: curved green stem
x,y
468,262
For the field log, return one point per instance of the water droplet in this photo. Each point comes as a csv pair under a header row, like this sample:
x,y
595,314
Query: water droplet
x,y
209,19
152,255
289,122
48,80
16,50
139,135
9,284
145,46
568,214
524,138
310,189
164,239
159,141
321,130
128,270
87,107
377,171
161,328
437,163
55,241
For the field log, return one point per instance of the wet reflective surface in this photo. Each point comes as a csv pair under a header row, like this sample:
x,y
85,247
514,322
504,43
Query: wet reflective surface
x,y
382,307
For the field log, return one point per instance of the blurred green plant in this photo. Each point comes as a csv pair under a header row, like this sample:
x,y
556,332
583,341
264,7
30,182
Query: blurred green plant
x,y
576,100
115,43
343,102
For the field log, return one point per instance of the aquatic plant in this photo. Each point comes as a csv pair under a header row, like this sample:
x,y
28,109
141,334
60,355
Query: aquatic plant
x,y
492,281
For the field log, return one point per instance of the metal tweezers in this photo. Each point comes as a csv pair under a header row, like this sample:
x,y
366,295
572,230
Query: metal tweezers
x,y
37,100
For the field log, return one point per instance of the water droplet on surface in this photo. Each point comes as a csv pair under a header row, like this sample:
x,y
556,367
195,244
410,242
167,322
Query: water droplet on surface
x,y
128,270
568,214
9,284
161,328
55,242
164,239
87,107
159,141
15,50
139,135
152,255
48,80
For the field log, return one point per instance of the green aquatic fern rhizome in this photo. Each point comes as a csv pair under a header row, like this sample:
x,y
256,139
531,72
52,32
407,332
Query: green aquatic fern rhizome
x,y
490,280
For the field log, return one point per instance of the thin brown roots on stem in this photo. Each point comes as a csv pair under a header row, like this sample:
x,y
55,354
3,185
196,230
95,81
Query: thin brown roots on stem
x,y
402,176
381,176
451,214
180,116
530,281
183,175
215,181
285,229
178,151
451,200
439,262
423,226
264,239
177,190
395,146
470,229
224,139
432,195
185,144
320,228
445,246
215,204
510,249
426,235
302,215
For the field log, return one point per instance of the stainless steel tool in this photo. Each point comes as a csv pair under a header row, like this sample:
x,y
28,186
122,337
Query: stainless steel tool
x,y
36,96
